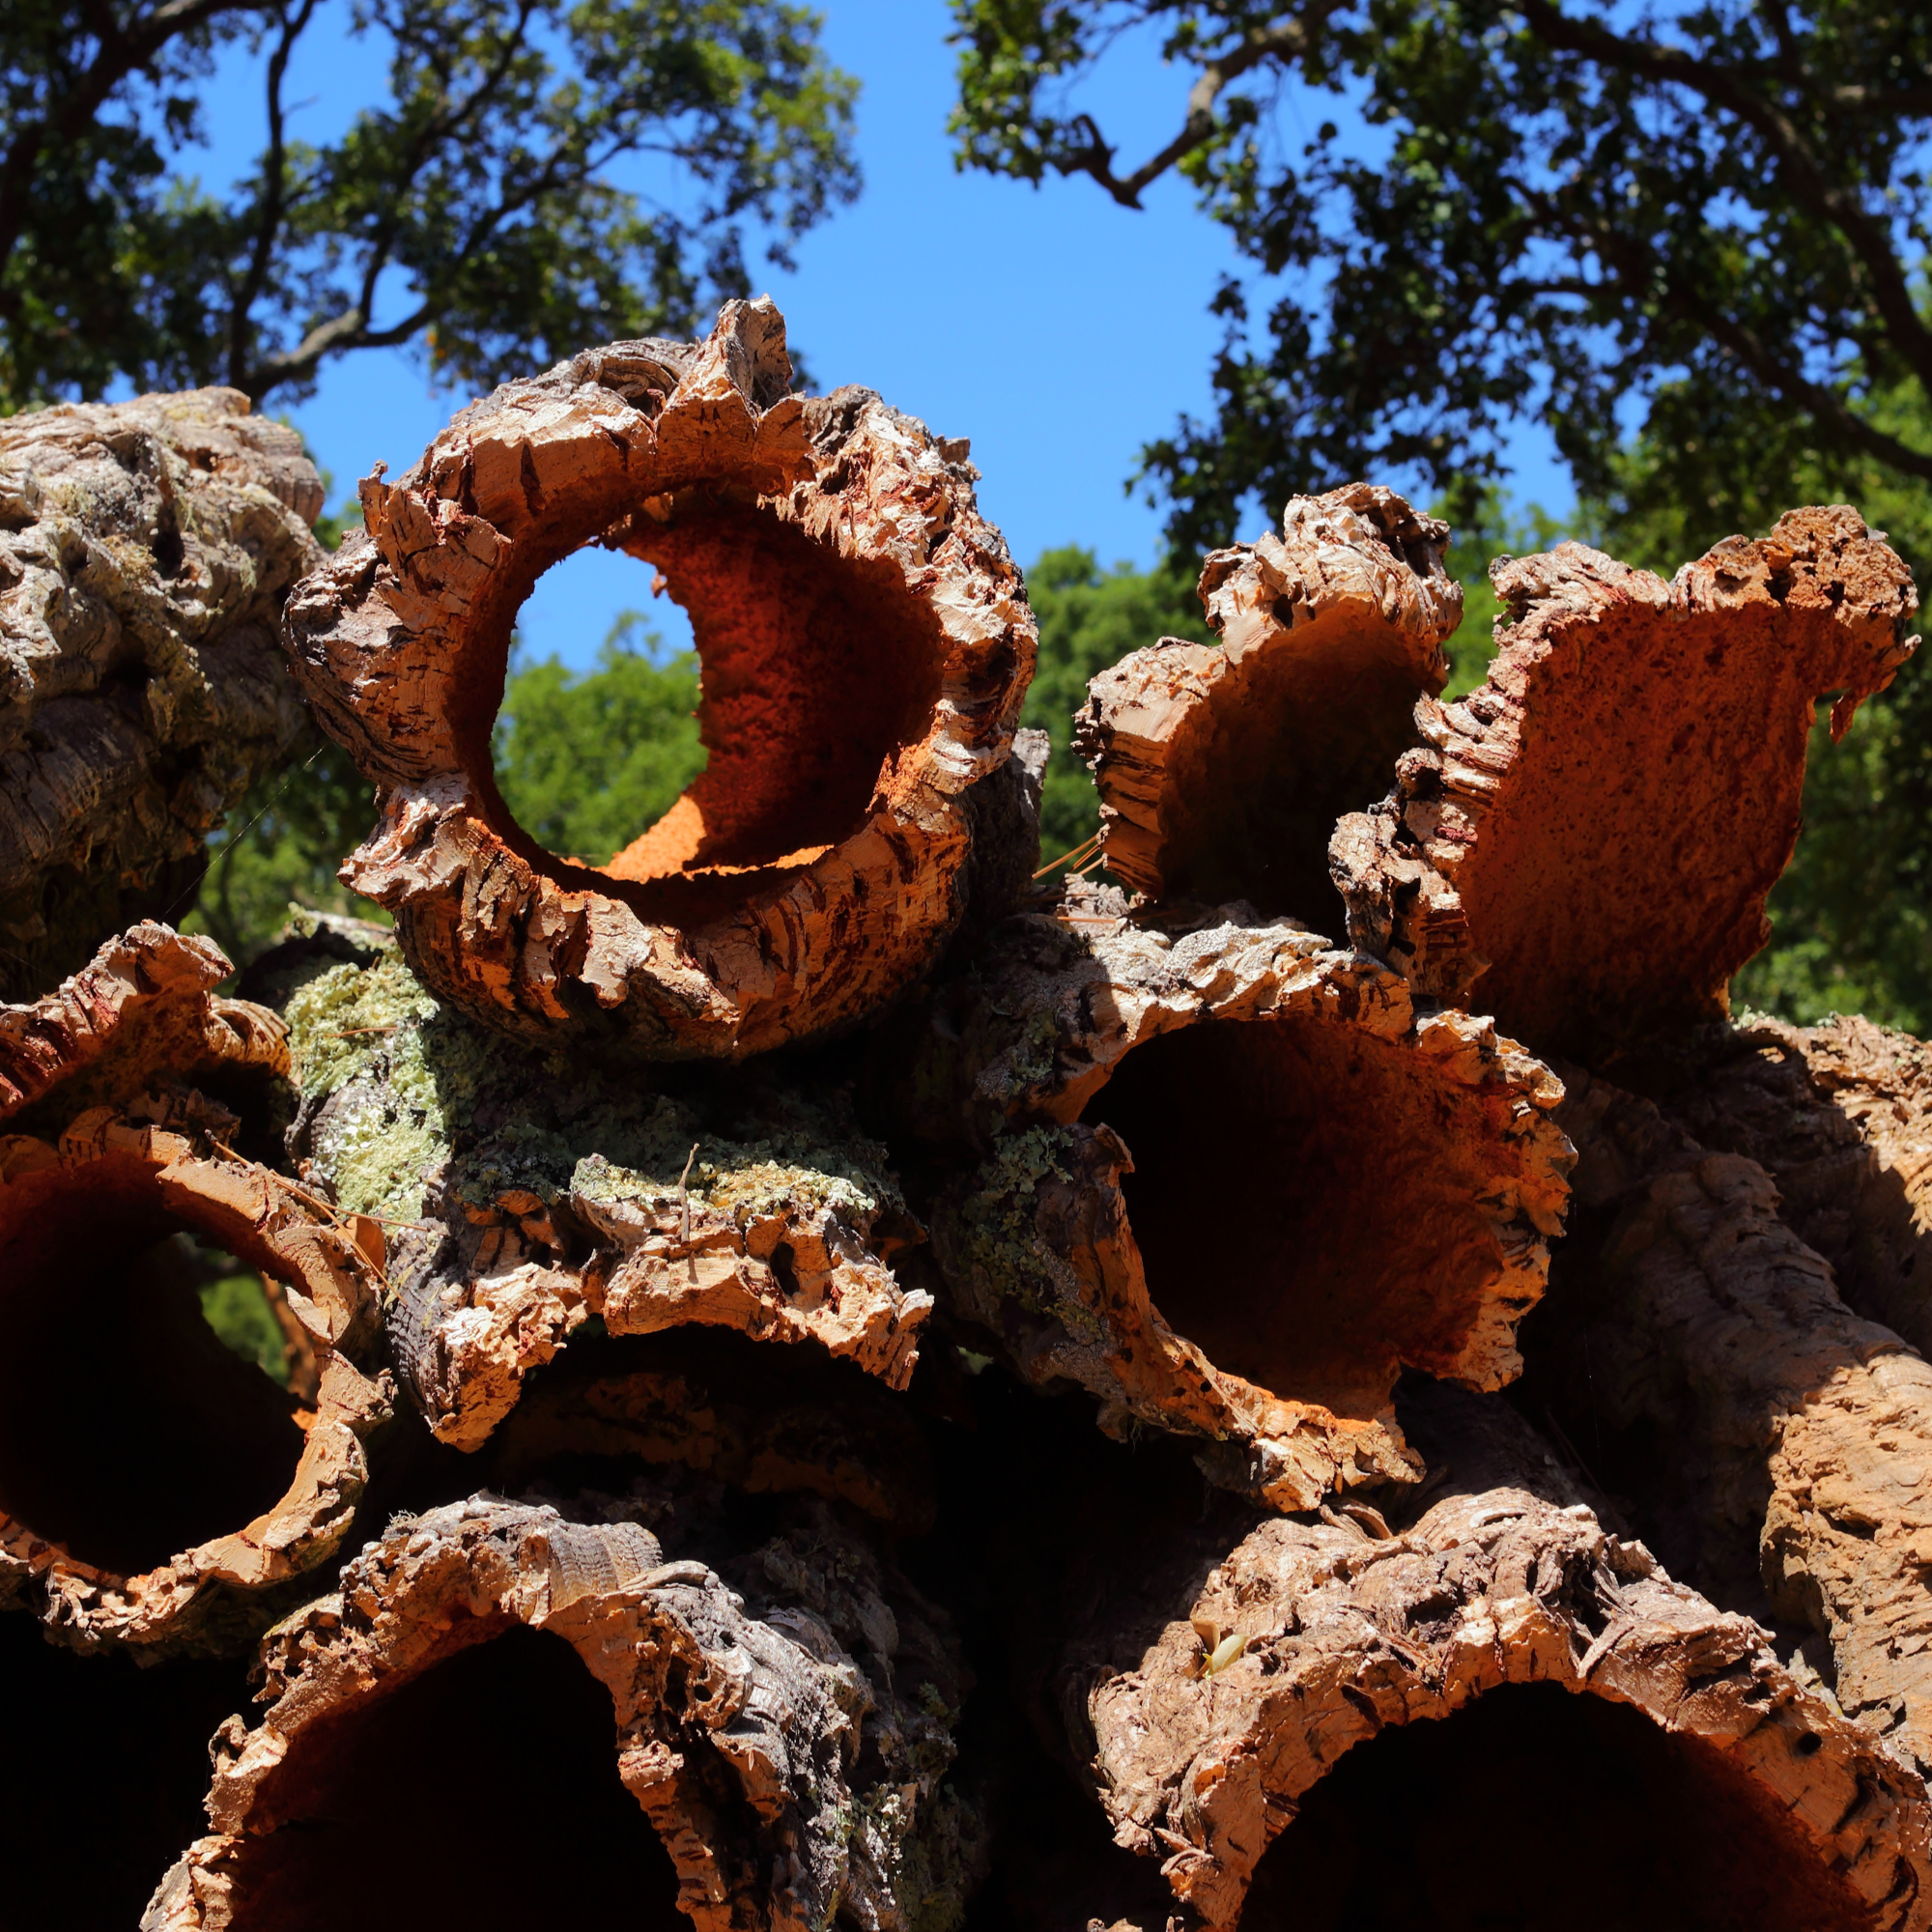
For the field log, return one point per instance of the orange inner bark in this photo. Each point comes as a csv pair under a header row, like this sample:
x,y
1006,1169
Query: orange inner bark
x,y
1303,1202
127,1432
1539,1811
483,1794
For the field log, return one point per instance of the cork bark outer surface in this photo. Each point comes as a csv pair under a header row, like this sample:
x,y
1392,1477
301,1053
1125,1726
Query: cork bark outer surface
x,y
146,549
168,1164
1250,1242
1223,769
142,1009
521,1200
1584,846
1839,1115
1346,1635
865,644
757,1722
1770,1437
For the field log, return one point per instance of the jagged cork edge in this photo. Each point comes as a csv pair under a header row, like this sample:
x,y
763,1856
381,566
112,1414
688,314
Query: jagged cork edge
x,y
145,551
1328,633
388,640
1828,601
1802,1434
1034,1242
772,1712
142,1009
492,1273
1346,1633
332,1288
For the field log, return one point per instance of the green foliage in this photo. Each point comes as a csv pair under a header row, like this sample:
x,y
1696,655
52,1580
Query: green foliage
x,y
474,200
234,1307
1716,211
1090,618
586,763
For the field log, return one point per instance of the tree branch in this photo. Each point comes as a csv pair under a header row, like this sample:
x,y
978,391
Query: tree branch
x,y
1286,39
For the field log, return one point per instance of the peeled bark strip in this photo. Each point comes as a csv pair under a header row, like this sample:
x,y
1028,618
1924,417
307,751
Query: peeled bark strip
x,y
1234,1183
532,1200
1698,1353
866,646
1585,844
145,551
1222,771
755,1721
152,1438
141,1010
1685,1779
1840,1116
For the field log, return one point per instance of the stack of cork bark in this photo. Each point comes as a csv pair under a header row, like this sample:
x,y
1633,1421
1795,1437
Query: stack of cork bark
x,y
838,1377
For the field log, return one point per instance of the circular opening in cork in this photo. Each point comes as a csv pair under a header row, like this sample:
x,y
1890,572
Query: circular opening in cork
x,y
483,1794
128,1432
814,672
1304,1199
1539,1811
1290,740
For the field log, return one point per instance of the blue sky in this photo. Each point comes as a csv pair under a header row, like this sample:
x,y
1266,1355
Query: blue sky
x,y
1056,330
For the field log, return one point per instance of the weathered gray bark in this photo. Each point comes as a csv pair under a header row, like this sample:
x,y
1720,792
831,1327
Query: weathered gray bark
x,y
1223,768
867,645
146,549
1230,1181
785,1720
1777,1447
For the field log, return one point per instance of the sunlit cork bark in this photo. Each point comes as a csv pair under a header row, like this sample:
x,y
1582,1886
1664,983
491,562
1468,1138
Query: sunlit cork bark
x,y
1223,768
1584,846
521,1199
1777,1447
146,549
142,1012
746,1755
154,1489
865,642
1258,1712
1230,1181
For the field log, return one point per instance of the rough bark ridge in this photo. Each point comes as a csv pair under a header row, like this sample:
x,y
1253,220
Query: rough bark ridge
x,y
531,1198
1585,845
1840,1116
77,1222
1377,1188
145,551
1222,771
1778,1446
758,1722
141,1010
865,644
1310,1641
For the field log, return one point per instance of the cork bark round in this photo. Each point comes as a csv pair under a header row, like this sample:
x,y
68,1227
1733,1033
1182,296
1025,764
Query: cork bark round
x,y
153,1490
1581,1724
1777,1447
522,1202
1222,770
1584,844
146,549
864,646
754,1724
1233,1183
143,1011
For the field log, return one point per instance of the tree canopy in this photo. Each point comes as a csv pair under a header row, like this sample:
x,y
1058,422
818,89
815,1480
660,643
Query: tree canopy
x,y
473,210
1706,220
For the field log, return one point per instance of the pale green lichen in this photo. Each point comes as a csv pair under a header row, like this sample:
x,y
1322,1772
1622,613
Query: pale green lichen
x,y
427,1097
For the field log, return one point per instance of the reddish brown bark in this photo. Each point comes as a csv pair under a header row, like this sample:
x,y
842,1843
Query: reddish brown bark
x,y
160,1429
1223,769
1585,846
865,644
